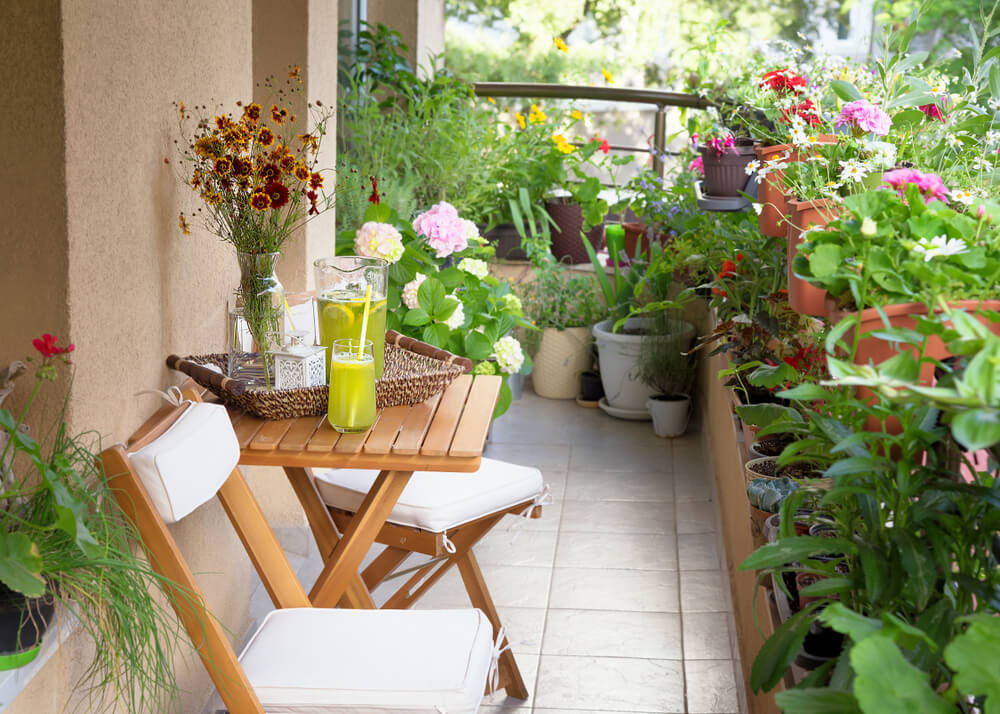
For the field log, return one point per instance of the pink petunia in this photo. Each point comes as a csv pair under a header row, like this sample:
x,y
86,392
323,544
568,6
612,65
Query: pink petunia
x,y
698,165
931,186
864,118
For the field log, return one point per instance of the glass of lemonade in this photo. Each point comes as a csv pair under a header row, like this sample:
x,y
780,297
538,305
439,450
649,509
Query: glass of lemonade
x,y
341,285
351,407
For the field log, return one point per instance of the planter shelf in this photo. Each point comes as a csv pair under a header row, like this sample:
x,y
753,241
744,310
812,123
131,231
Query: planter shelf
x,y
707,202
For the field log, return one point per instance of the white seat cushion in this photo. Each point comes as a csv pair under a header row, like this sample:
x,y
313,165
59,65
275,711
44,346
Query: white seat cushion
x,y
308,661
437,500
187,464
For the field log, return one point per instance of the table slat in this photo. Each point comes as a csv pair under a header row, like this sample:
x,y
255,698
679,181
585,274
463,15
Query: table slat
x,y
415,426
300,433
270,434
386,430
247,428
442,429
470,436
324,439
352,443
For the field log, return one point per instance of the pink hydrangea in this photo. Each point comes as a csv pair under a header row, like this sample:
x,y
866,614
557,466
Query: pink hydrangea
x,y
698,165
931,186
444,230
865,118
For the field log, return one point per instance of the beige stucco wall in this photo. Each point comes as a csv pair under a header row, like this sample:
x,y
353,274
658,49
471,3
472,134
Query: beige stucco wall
x,y
91,248
420,23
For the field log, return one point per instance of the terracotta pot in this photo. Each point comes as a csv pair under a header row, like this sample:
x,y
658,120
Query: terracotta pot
x,y
771,191
802,296
635,234
801,581
567,244
726,176
757,519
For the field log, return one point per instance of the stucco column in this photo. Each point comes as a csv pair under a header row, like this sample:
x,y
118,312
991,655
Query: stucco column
x,y
419,22
303,33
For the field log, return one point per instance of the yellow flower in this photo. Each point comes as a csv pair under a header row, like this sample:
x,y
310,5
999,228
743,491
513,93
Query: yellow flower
x,y
563,145
576,114
536,115
608,77
520,119
560,45
491,100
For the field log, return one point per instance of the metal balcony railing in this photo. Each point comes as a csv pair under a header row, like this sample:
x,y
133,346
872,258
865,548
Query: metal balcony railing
x,y
658,98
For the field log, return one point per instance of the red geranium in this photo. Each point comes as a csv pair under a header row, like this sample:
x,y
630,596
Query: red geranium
x,y
783,81
605,146
47,345
728,269
804,110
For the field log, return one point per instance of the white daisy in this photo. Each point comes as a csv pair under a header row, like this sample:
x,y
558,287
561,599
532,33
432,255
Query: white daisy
x,y
940,246
852,170
952,140
964,197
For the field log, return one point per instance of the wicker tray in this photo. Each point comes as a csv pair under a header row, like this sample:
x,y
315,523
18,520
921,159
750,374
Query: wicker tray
x,y
414,372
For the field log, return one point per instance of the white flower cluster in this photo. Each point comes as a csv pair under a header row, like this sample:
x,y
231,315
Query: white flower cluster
x,y
457,318
964,197
478,268
763,168
512,302
508,354
410,291
940,245
879,154
379,240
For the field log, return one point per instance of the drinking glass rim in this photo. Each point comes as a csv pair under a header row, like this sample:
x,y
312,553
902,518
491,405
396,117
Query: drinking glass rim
x,y
356,260
350,345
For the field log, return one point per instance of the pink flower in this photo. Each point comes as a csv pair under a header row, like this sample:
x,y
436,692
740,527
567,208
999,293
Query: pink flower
x,y
720,146
443,229
931,186
698,165
48,346
864,118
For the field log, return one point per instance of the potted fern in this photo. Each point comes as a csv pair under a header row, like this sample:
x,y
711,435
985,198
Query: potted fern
x,y
66,549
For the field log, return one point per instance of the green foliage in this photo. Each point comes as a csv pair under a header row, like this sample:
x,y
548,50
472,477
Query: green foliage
x,y
767,494
561,298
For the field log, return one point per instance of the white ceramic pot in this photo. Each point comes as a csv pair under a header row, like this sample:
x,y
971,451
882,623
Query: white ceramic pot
x,y
562,355
619,356
670,415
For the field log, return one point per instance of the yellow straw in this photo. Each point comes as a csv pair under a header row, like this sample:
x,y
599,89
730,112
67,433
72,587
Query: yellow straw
x,y
288,309
364,321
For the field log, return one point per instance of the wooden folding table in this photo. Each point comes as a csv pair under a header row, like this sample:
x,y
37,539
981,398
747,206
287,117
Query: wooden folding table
x,y
445,433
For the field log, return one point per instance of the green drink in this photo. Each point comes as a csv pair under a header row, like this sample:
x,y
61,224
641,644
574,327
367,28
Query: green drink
x,y
351,407
341,313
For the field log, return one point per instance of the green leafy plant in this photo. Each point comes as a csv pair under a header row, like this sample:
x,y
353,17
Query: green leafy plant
x,y
63,537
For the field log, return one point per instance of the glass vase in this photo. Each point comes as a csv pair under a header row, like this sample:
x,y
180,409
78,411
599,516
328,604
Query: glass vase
x,y
256,320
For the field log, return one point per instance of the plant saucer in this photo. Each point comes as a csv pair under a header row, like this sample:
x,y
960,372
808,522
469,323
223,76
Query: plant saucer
x,y
619,413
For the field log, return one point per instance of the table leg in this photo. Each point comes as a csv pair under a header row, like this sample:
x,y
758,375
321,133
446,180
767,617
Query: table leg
x,y
325,533
342,566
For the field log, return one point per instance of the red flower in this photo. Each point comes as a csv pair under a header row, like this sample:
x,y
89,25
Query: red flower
x,y
728,269
739,257
805,110
783,81
277,193
374,196
605,146
933,111
48,347
312,196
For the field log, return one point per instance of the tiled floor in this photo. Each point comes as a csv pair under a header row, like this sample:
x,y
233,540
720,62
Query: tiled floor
x,y
615,600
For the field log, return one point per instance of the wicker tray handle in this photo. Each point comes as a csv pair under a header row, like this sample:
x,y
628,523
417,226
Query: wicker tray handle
x,y
408,343
203,374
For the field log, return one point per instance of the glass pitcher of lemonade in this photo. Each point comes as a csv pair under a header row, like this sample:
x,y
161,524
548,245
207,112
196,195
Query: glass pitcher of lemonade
x,y
341,285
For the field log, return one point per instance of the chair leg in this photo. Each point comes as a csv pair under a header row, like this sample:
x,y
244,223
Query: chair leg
x,y
475,585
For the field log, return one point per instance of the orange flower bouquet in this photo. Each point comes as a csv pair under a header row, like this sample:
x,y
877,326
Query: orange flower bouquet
x,y
259,181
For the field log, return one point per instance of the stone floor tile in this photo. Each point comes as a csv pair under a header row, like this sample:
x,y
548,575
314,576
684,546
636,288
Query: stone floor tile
x,y
602,633
633,455
618,486
711,687
618,517
703,591
591,589
525,628
698,551
632,551
510,586
706,635
503,547
610,683
697,517
544,456
693,486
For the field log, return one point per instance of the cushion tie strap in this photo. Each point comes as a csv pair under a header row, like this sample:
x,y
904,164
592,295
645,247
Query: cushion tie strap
x,y
493,676
542,498
448,544
173,395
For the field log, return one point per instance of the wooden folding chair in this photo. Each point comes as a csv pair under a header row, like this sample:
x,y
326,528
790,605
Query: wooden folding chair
x,y
441,515
301,659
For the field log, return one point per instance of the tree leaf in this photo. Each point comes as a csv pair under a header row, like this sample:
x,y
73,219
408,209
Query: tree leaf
x,y
477,346
976,672
21,565
886,683
817,701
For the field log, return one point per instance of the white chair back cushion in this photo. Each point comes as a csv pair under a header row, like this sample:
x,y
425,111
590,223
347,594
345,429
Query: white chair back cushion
x,y
189,462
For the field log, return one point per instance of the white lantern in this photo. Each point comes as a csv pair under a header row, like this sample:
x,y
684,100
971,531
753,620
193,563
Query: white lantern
x,y
300,365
